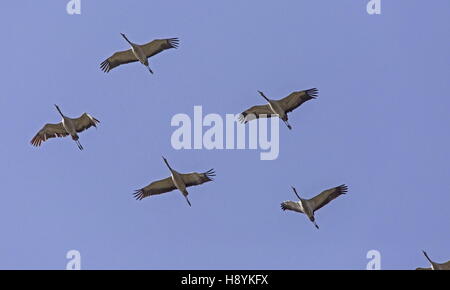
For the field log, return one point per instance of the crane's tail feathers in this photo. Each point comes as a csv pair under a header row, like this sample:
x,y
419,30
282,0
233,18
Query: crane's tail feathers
x,y
312,93
138,194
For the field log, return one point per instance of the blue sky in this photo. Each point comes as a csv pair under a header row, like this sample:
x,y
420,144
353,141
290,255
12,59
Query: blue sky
x,y
380,125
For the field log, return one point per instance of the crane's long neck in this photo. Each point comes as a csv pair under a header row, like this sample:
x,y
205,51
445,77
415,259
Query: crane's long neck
x,y
428,258
167,163
57,108
264,96
296,193
125,37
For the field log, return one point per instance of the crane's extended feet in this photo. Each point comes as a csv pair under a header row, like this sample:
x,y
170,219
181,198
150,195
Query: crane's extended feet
x,y
79,145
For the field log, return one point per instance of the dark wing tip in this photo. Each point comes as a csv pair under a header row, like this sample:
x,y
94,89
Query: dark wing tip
x,y
173,42
343,189
312,93
138,194
283,206
35,142
105,66
210,174
243,117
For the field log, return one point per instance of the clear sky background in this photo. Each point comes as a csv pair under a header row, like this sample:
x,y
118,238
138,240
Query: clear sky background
x,y
380,125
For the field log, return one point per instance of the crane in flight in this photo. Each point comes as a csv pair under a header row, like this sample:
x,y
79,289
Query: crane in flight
x,y
278,108
138,52
310,206
177,180
67,126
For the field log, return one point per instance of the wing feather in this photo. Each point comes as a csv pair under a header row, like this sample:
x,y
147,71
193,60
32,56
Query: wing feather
x,y
85,122
295,99
158,45
328,195
156,187
118,58
47,132
255,112
194,178
291,205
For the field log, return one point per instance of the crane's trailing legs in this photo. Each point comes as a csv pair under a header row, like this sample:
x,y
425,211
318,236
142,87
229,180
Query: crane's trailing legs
x,y
287,124
78,143
187,199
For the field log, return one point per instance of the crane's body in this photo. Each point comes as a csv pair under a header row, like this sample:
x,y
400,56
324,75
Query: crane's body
x,y
69,126
178,181
138,52
277,109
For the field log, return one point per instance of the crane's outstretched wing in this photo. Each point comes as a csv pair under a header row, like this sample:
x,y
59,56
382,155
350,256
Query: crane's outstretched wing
x,y
118,58
291,205
255,112
328,195
84,122
156,46
49,131
423,268
156,187
191,179
295,99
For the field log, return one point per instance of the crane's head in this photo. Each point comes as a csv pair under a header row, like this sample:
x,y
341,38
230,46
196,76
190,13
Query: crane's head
x,y
125,37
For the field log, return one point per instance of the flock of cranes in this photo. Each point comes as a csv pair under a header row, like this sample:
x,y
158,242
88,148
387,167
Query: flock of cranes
x,y
274,108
